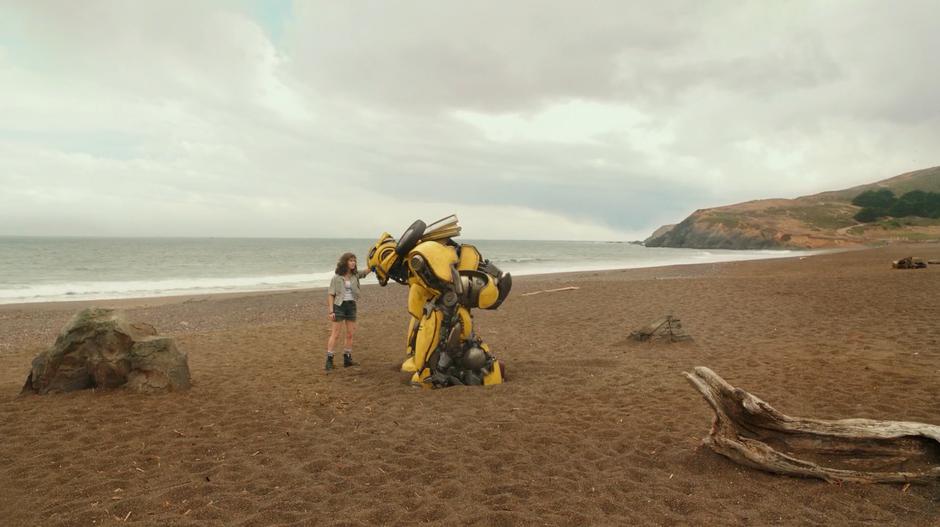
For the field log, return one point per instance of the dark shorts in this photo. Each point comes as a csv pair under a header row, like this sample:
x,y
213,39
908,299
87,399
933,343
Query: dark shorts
x,y
345,311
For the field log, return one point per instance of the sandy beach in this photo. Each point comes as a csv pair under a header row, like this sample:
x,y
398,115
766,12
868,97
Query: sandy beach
x,y
591,429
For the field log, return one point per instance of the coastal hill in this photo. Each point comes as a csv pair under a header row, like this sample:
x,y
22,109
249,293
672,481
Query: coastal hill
x,y
823,220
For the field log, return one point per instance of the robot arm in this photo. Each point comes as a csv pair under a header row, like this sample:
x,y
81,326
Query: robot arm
x,y
483,284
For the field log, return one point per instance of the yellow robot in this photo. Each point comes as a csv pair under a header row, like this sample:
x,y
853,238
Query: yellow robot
x,y
445,280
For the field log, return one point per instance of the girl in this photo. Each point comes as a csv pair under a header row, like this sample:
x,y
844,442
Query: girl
x,y
341,299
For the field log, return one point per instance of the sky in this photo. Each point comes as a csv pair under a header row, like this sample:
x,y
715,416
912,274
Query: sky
x,y
595,120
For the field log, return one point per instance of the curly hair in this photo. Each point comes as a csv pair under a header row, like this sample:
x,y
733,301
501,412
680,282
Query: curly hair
x,y
343,264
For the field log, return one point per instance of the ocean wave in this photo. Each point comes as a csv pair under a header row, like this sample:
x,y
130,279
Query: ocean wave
x,y
94,290
663,258
521,259
518,264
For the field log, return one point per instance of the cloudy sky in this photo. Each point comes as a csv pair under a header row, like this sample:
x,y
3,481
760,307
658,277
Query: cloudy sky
x,y
529,119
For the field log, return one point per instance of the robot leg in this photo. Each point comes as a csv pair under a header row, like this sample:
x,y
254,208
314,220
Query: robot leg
x,y
409,364
426,340
477,357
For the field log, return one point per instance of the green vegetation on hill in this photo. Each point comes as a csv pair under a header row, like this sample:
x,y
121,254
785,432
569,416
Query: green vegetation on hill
x,y
882,202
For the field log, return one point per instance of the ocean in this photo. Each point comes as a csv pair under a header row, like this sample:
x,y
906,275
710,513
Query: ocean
x,y
44,269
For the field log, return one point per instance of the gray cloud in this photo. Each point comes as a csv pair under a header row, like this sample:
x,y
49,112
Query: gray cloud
x,y
490,56
601,119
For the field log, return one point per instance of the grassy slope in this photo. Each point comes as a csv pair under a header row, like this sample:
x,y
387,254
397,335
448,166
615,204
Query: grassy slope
x,y
927,180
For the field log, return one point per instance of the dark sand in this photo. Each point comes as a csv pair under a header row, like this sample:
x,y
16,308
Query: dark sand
x,y
590,430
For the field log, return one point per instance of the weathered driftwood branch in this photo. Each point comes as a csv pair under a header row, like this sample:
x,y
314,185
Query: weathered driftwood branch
x,y
751,432
667,327
569,288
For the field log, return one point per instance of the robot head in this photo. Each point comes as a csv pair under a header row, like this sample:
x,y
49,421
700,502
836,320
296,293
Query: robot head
x,y
387,256
383,258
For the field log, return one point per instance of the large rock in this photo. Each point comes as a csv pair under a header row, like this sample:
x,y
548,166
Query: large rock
x,y
706,229
658,233
99,348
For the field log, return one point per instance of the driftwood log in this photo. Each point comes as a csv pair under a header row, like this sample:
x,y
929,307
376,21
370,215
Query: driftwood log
x,y
909,263
751,432
569,288
668,327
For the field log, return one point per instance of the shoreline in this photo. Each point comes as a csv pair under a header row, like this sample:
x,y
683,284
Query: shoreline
x,y
162,299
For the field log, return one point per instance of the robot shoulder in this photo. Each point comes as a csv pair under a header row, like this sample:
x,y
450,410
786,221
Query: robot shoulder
x,y
439,258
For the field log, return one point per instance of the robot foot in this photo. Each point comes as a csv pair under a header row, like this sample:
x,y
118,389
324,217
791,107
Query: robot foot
x,y
442,380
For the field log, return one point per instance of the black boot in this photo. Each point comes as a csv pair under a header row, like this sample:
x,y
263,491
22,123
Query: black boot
x,y
347,360
329,362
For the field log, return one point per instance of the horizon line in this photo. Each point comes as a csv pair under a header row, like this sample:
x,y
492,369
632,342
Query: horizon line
x,y
118,237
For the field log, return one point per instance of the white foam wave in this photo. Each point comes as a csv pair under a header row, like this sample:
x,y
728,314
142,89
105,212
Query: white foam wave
x,y
96,290
685,257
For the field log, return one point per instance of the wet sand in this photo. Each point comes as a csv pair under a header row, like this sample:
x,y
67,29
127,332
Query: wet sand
x,y
591,429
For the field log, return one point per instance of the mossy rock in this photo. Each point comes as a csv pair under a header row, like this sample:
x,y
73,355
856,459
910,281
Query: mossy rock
x,y
99,348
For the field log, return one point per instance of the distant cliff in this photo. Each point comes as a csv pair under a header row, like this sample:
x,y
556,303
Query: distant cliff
x,y
819,221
